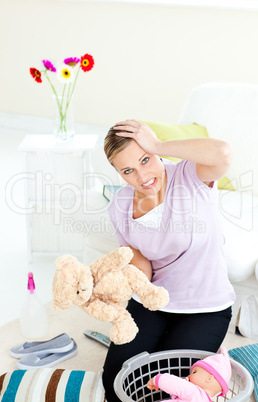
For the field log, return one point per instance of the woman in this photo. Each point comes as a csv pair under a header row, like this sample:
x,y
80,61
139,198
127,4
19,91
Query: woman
x,y
168,215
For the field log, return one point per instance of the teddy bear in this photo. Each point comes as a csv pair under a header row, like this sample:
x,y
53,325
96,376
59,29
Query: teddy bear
x,y
102,289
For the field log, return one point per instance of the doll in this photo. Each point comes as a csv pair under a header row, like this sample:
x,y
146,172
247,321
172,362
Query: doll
x,y
208,378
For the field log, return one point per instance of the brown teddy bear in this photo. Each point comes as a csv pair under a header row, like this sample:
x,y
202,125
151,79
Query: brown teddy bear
x,y
101,290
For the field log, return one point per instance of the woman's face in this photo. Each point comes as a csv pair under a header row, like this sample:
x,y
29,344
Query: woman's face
x,y
144,172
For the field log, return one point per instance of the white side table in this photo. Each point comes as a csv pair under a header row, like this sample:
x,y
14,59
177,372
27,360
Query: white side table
x,y
57,176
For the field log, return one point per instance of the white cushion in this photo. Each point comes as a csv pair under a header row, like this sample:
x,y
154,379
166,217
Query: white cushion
x,y
248,326
239,212
229,112
256,271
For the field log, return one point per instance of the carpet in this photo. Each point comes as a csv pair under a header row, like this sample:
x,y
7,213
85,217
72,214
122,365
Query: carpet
x,y
91,354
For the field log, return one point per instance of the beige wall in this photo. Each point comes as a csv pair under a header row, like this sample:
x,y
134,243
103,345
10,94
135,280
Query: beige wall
x,y
148,58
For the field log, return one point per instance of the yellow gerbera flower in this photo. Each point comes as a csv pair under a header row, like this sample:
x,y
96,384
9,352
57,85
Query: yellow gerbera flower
x,y
65,74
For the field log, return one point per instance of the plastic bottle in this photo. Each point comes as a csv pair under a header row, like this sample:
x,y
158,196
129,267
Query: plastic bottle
x,y
33,320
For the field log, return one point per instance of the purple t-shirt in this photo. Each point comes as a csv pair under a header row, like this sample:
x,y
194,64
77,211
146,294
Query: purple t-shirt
x,y
186,248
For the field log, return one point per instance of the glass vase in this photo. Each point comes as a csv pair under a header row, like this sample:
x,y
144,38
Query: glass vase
x,y
64,129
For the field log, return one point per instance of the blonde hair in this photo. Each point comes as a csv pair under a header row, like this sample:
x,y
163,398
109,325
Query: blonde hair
x,y
113,144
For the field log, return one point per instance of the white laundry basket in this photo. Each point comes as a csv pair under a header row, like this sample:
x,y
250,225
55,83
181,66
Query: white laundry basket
x,y
130,383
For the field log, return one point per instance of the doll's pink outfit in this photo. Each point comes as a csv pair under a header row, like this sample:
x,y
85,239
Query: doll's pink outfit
x,y
183,390
180,389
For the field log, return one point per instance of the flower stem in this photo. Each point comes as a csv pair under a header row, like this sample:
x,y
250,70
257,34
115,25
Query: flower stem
x,y
53,88
67,104
63,97
63,107
69,99
69,96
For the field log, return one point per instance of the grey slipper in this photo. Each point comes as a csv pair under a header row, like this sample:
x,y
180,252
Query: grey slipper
x,y
34,360
59,344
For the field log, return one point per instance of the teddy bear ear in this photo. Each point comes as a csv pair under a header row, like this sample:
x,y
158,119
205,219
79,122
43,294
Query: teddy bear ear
x,y
66,275
64,259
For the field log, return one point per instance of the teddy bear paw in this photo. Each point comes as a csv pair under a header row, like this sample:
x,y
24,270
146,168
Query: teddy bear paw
x,y
123,332
156,299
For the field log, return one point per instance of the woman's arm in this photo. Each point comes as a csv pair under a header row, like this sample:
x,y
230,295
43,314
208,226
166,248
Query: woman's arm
x,y
213,157
141,263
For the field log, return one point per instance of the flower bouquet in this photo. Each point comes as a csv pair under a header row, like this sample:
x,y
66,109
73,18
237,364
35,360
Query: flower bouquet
x,y
68,74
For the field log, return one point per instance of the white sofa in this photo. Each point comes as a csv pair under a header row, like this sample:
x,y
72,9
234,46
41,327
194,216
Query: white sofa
x,y
229,111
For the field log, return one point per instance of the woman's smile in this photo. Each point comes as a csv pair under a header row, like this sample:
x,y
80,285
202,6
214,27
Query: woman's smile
x,y
149,184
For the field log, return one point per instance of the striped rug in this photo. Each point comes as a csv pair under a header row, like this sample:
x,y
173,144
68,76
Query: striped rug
x,y
248,357
51,385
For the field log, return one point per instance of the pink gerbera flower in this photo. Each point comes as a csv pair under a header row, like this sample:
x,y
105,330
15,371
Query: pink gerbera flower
x,y
49,66
71,61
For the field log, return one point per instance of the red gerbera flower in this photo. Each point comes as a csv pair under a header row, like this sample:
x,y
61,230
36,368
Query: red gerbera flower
x,y
87,62
36,74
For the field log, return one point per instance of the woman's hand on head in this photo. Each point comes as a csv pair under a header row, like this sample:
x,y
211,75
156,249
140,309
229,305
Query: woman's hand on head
x,y
141,133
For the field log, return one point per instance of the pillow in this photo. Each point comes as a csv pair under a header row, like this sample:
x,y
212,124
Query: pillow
x,y
239,215
51,384
167,132
247,325
248,357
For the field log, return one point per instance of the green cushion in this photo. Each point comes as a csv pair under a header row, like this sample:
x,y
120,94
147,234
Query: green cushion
x,y
51,384
167,132
248,357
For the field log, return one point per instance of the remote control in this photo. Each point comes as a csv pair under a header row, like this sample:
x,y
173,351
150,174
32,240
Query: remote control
x,y
97,336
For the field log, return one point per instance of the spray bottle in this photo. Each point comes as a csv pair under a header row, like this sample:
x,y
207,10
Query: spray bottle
x,y
33,320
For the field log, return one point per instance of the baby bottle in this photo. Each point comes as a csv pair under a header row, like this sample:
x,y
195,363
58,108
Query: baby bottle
x,y
33,320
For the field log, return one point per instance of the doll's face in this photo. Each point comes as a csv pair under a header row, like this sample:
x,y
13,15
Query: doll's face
x,y
199,376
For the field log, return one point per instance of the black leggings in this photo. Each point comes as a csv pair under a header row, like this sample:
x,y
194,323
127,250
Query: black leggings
x,y
165,331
